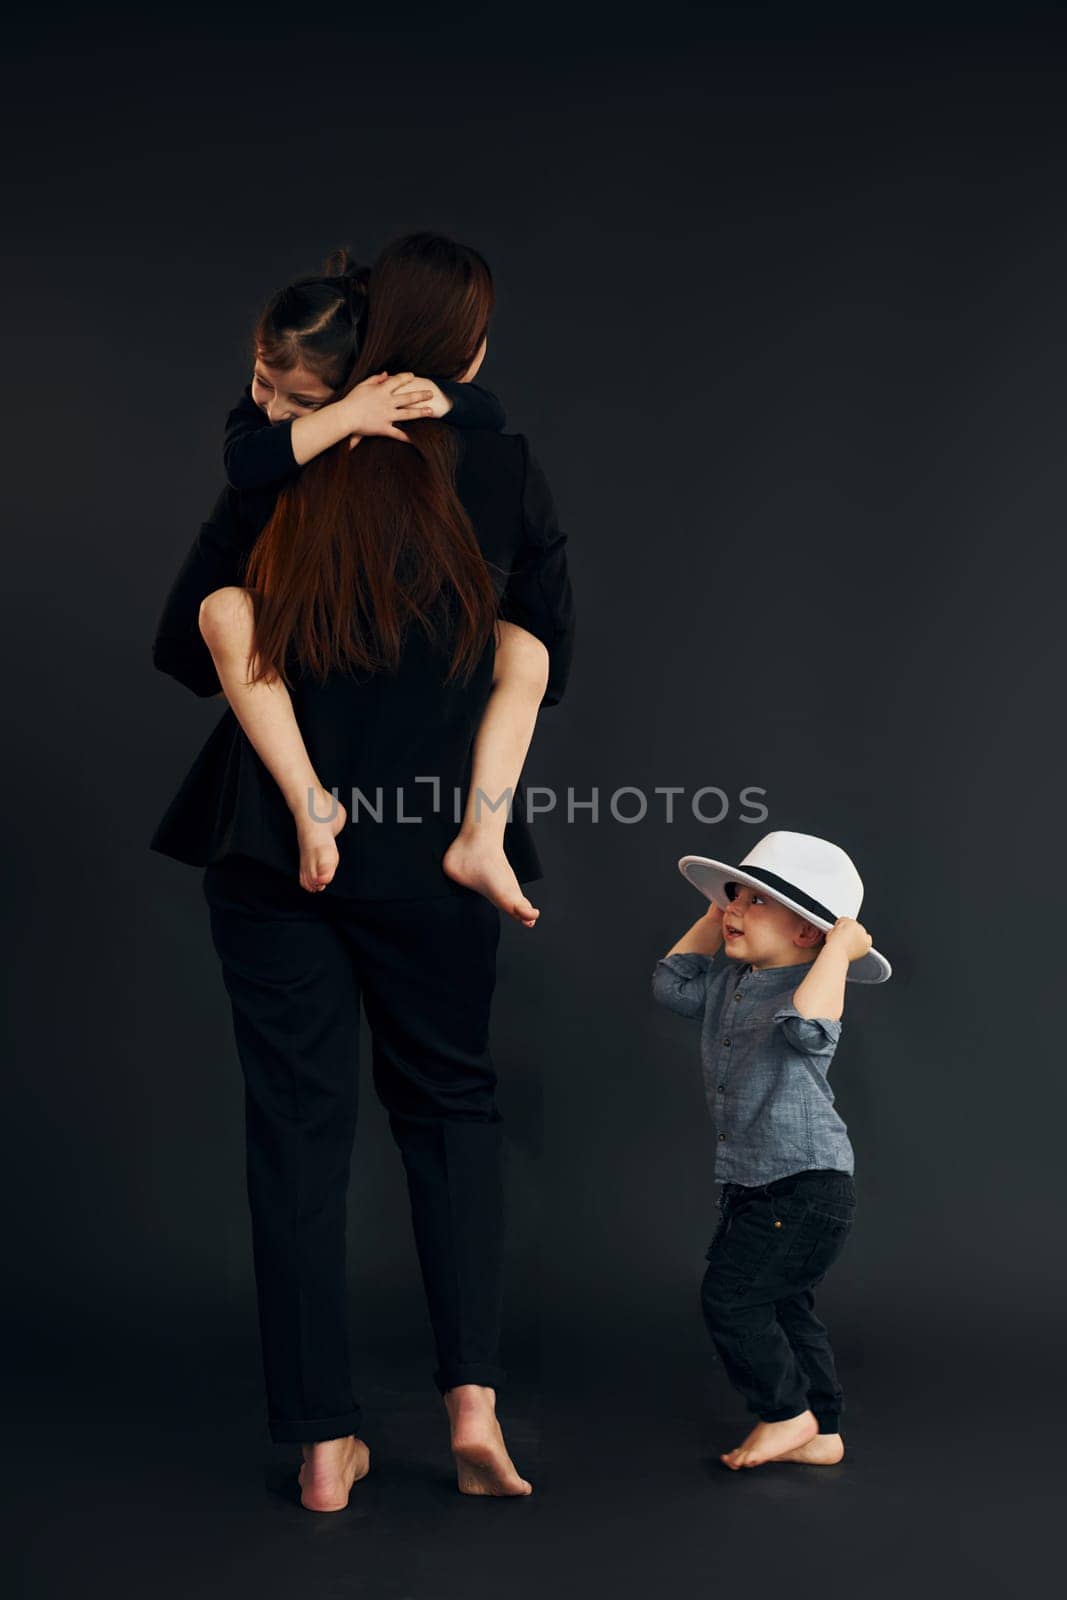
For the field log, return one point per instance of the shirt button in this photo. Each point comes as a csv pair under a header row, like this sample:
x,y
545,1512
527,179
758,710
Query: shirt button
x,y
737,996
722,1088
726,1041
722,1138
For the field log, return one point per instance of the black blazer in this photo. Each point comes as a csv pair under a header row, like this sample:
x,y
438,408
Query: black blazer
x,y
384,732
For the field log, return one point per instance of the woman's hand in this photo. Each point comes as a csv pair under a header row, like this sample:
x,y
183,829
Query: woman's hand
x,y
375,406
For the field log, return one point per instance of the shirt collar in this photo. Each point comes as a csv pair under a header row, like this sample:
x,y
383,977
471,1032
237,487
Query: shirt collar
x,y
770,978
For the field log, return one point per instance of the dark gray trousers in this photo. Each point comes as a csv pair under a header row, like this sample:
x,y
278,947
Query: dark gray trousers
x,y
296,967
773,1245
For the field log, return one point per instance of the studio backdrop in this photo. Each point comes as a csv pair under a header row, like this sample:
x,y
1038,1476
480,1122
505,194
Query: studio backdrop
x,y
781,311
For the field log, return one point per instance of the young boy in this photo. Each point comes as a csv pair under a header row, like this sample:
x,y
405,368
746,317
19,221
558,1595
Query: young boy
x,y
765,969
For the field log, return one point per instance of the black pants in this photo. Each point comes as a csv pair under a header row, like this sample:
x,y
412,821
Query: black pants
x,y
773,1245
295,966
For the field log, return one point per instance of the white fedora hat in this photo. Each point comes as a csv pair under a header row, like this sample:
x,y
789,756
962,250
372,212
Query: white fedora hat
x,y
811,876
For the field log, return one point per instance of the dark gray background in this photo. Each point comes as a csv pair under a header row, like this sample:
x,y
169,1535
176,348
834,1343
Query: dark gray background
x,y
781,311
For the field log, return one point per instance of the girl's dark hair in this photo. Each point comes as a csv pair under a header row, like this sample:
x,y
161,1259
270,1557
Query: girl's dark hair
x,y
367,541
316,322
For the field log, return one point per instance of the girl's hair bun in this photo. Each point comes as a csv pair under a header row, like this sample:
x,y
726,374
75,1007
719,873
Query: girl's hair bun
x,y
351,279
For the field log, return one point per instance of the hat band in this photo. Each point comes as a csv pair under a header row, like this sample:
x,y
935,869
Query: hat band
x,y
783,886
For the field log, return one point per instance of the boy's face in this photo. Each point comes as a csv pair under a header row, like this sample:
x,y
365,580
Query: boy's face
x,y
764,933
282,395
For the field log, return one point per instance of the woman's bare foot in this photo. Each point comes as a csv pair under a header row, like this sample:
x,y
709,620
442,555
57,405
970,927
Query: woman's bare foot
x,y
825,1450
330,1469
318,840
770,1440
483,1465
482,865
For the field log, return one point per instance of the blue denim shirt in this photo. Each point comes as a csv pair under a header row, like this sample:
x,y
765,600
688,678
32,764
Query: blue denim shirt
x,y
765,1067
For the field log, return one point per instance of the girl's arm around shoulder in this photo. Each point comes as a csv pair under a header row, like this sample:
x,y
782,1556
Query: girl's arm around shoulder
x,y
258,453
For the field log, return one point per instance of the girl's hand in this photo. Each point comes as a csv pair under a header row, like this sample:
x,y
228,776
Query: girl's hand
x,y
714,914
439,403
851,936
376,405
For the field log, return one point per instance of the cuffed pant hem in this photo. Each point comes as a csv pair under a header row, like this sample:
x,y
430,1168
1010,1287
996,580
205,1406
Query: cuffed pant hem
x,y
829,1421
473,1372
782,1414
315,1429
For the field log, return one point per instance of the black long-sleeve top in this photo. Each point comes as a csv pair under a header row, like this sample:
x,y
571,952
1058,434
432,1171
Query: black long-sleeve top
x,y
387,731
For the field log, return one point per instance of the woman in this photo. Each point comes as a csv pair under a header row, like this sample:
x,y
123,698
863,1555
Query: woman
x,y
378,578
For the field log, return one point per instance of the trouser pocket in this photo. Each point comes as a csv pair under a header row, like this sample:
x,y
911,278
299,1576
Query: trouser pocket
x,y
819,1240
752,1233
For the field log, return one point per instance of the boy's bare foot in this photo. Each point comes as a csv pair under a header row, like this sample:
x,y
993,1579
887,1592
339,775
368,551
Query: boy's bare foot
x,y
483,866
483,1465
318,840
770,1440
330,1469
825,1450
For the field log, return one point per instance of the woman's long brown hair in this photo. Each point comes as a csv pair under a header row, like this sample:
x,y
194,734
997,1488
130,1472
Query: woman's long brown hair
x,y
370,541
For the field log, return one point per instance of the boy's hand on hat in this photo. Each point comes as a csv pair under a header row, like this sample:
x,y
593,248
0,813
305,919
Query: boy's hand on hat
x,y
851,936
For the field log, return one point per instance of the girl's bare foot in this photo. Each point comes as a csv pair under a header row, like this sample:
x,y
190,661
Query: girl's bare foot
x,y
770,1440
483,1465
318,840
330,1469
482,865
825,1450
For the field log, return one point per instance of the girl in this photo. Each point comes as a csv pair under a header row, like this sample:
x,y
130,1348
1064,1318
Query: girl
x,y
378,576
305,344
